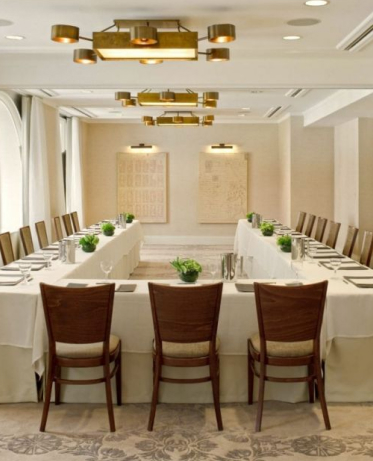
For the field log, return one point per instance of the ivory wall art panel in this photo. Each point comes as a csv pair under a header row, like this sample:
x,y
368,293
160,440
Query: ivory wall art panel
x,y
142,186
222,187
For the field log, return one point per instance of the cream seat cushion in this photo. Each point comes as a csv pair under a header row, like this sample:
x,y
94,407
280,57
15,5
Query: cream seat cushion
x,y
181,350
85,351
280,349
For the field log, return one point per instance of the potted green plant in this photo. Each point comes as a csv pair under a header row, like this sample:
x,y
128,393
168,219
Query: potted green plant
x,y
284,242
89,242
130,218
108,229
188,269
249,216
267,229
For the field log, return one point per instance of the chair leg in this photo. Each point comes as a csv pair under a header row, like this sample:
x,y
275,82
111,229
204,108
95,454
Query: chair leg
x,y
311,385
118,378
250,372
259,413
214,373
109,400
48,393
57,387
320,386
157,376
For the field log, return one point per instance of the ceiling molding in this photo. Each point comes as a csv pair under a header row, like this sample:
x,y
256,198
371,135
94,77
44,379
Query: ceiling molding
x,y
359,38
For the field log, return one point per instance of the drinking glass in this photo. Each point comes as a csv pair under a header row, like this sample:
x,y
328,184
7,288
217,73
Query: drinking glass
x,y
25,268
311,253
336,264
213,268
47,255
106,267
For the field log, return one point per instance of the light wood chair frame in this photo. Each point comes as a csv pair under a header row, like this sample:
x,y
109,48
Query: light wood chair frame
x,y
66,219
367,249
320,228
55,299
310,224
180,329
334,228
58,227
26,239
290,305
300,221
349,245
41,232
75,221
6,248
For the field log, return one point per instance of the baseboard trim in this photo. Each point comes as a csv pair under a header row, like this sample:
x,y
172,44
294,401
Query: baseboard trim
x,y
188,240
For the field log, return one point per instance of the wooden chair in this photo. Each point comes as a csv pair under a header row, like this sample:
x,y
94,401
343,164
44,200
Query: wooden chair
x,y
300,222
79,339
75,221
58,227
367,248
320,229
350,241
331,241
6,248
310,223
26,238
185,324
289,321
41,232
67,224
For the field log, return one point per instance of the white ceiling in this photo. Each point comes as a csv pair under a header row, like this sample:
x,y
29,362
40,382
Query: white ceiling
x,y
260,26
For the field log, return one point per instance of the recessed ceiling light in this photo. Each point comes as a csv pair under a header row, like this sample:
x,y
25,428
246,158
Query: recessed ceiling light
x,y
292,37
14,37
316,2
245,108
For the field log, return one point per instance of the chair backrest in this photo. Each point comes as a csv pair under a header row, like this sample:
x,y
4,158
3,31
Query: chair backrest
x,y
310,223
350,241
331,241
67,223
320,229
367,248
78,315
6,248
41,232
289,314
300,222
26,238
185,315
75,220
58,227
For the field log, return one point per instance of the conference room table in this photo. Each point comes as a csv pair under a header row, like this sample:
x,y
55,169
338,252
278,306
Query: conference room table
x,y
347,333
22,322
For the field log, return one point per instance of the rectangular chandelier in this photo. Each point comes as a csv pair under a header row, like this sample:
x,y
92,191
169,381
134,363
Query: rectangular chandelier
x,y
176,46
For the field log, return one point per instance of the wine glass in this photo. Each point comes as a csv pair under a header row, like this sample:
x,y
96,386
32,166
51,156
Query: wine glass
x,y
106,267
336,264
213,268
311,253
47,255
25,268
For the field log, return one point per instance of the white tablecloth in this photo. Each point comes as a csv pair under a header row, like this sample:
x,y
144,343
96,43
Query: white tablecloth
x,y
21,316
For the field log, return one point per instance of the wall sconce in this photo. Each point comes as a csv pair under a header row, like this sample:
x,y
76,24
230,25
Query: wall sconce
x,y
221,146
142,146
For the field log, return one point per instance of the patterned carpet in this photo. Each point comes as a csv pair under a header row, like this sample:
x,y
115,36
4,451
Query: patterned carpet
x,y
77,432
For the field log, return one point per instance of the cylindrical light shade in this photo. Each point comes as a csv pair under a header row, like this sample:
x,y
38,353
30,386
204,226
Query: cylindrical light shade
x,y
65,34
122,96
167,96
207,123
151,61
129,103
147,118
85,56
221,33
210,104
177,119
209,118
143,35
217,54
150,123
211,96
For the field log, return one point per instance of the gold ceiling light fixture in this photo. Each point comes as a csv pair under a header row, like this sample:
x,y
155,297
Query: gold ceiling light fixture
x,y
183,118
169,98
148,41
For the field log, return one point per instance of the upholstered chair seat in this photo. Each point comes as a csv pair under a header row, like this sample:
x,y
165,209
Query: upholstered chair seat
x,y
283,349
83,351
189,350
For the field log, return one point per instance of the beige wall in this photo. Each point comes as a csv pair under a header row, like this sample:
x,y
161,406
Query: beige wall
x,y
104,140
284,151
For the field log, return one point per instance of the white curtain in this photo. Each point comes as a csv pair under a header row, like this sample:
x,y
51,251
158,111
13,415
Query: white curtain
x,y
74,182
39,193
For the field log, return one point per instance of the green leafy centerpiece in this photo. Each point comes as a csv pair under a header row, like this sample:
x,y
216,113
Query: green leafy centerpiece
x,y
108,229
188,269
267,229
249,216
89,243
130,218
284,242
